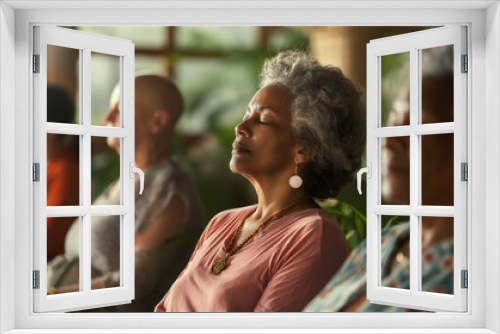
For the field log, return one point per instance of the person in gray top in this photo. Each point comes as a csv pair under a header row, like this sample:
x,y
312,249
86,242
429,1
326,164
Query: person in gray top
x,y
166,214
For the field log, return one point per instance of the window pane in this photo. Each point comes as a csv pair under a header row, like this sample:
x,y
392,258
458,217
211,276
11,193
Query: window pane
x,y
437,254
104,78
105,171
395,97
395,252
395,169
105,249
437,85
216,38
63,170
69,274
437,169
62,84
153,37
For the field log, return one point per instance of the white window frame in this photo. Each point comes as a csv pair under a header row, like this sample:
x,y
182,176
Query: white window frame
x,y
86,44
413,43
483,21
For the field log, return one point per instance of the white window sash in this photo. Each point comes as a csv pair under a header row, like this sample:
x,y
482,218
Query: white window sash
x,y
412,43
86,43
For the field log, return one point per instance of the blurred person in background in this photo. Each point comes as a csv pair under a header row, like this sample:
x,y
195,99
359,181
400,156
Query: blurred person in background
x,y
167,214
302,136
62,169
346,291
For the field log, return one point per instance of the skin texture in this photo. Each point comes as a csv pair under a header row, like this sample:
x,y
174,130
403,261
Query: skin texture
x,y
155,119
265,152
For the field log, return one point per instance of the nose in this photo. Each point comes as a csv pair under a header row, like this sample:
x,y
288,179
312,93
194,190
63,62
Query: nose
x,y
242,129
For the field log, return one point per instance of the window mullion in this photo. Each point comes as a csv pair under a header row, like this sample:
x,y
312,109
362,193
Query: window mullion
x,y
85,244
414,170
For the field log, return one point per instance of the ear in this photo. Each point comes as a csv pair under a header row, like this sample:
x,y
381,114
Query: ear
x,y
302,155
159,120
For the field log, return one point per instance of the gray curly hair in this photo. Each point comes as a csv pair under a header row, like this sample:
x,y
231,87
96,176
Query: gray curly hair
x,y
328,118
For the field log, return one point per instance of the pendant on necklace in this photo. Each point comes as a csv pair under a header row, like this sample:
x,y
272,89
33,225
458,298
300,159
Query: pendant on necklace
x,y
218,266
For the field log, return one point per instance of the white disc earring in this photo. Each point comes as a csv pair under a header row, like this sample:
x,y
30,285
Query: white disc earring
x,y
295,181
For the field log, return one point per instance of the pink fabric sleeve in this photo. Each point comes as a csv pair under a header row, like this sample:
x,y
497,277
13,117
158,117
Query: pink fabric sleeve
x,y
305,272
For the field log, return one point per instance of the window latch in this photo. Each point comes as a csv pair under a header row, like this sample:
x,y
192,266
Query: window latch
x,y
133,170
368,171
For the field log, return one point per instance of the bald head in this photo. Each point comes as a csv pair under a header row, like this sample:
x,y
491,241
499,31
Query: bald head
x,y
158,107
156,93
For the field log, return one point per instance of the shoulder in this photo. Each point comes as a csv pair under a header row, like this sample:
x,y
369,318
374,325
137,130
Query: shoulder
x,y
316,230
231,214
316,221
169,170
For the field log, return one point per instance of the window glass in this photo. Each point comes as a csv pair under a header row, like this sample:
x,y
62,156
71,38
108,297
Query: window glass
x,y
395,259
395,83
57,228
104,78
105,249
62,84
63,170
395,170
437,254
437,84
105,171
437,169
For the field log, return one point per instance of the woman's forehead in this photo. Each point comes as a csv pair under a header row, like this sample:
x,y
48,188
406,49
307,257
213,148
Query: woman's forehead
x,y
276,97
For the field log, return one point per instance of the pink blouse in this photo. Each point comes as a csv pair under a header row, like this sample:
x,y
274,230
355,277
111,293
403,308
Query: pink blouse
x,y
279,270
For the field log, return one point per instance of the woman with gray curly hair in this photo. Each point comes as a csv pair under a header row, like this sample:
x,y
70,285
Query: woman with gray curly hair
x,y
302,137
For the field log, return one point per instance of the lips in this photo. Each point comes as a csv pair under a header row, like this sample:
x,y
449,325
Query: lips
x,y
238,148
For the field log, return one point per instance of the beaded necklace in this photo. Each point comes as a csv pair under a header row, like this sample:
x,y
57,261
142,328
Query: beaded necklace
x,y
221,264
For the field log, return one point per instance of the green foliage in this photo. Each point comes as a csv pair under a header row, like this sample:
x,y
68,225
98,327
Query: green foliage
x,y
353,222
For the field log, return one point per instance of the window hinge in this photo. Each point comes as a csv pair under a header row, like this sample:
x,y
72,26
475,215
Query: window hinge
x,y
465,64
36,63
36,172
36,279
465,279
464,172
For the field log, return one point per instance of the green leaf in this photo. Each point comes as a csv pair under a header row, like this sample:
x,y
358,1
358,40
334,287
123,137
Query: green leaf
x,y
360,226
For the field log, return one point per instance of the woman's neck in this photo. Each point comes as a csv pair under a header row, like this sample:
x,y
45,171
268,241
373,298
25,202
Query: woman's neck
x,y
272,199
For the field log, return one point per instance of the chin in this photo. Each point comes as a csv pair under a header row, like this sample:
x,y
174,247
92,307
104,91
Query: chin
x,y
233,166
237,166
